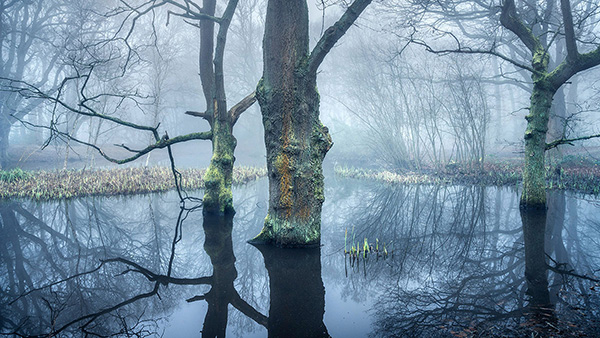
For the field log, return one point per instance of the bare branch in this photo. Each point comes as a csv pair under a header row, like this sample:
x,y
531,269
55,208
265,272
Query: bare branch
x,y
334,33
510,20
561,74
570,141
160,144
30,91
236,111
467,50
570,39
204,115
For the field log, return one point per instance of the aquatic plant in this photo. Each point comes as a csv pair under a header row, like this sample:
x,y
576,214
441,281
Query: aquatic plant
x,y
14,175
580,178
64,184
367,249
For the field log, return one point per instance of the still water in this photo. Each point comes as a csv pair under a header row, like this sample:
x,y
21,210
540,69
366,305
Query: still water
x,y
462,261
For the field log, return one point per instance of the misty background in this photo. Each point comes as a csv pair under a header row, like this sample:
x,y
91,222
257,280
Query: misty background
x,y
387,101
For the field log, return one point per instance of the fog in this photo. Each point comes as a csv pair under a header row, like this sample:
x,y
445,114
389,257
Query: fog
x,y
387,101
433,164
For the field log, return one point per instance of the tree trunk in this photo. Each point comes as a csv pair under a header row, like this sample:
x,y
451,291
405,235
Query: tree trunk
x,y
296,140
534,173
218,197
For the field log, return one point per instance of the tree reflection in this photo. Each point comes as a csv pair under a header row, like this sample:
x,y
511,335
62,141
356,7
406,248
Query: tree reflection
x,y
219,247
70,279
297,301
485,279
76,268
541,310
466,262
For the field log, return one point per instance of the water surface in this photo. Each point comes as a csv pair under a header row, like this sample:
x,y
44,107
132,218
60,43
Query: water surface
x,y
463,261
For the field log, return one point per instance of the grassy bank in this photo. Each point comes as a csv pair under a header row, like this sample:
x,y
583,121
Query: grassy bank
x,y
584,179
48,185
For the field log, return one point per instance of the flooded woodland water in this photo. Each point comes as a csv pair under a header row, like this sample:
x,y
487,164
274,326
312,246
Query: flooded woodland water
x,y
465,262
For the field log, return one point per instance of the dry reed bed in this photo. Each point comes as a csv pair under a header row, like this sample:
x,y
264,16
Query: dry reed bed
x,y
48,185
584,179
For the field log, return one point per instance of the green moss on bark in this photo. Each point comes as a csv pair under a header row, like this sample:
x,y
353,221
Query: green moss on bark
x,y
218,197
289,233
534,171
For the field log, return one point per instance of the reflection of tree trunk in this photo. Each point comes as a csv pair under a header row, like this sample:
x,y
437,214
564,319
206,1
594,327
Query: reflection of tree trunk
x,y
219,247
555,244
10,235
573,239
534,227
297,292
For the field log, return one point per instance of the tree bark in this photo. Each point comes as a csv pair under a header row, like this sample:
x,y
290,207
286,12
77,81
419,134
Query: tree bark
x,y
218,197
296,140
534,173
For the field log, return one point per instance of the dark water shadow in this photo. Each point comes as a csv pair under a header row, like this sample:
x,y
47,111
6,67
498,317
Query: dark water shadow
x,y
297,297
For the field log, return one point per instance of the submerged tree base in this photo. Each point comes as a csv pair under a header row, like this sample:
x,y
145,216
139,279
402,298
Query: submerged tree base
x,y
51,185
285,233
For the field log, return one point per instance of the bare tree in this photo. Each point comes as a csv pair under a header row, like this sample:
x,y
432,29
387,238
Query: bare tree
x,y
218,179
532,31
30,48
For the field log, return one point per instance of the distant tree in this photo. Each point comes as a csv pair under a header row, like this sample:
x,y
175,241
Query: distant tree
x,y
30,34
295,138
546,83
537,28
218,178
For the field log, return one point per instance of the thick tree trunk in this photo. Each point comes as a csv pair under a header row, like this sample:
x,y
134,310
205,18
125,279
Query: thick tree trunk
x,y
296,140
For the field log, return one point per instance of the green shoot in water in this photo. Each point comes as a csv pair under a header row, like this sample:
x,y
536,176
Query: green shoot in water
x,y
345,240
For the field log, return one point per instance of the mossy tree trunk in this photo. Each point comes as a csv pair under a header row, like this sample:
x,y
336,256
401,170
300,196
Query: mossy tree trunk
x,y
296,140
218,197
546,82
534,172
